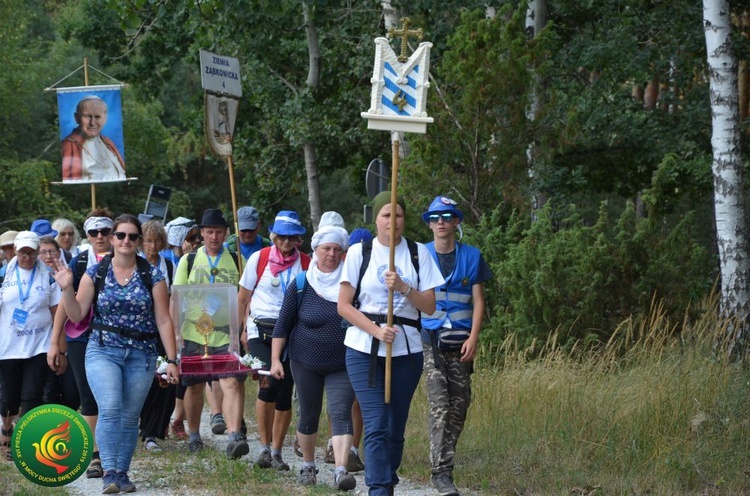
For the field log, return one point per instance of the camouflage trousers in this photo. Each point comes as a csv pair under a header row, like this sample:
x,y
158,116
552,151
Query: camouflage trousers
x,y
449,391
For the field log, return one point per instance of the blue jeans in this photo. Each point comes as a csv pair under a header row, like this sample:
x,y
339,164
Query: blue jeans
x,y
120,379
384,423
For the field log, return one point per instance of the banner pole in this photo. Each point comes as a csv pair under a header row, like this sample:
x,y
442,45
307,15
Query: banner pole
x,y
234,213
391,260
86,83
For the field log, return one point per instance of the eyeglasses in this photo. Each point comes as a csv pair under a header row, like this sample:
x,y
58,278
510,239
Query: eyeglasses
x,y
28,254
44,253
131,236
446,217
282,237
66,234
94,233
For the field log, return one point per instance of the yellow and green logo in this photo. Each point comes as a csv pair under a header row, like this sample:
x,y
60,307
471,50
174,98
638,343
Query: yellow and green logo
x,y
52,445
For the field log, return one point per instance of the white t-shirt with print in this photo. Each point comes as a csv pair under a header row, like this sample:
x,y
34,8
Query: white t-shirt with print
x,y
269,294
373,296
24,340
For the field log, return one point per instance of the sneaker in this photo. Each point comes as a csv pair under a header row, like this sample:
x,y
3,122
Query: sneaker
x,y
178,429
307,476
264,459
444,484
297,449
95,470
344,481
150,445
354,463
329,458
196,446
110,485
278,464
124,482
218,426
238,448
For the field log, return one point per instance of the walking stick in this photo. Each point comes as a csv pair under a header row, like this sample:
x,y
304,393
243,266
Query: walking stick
x,y
391,262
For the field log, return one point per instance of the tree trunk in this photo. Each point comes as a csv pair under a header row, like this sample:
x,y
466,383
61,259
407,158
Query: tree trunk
x,y
731,222
536,20
313,79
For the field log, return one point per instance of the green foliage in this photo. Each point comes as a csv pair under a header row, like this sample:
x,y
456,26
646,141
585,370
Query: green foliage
x,y
581,281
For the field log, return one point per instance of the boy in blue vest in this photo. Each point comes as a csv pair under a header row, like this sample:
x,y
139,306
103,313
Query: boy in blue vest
x,y
450,337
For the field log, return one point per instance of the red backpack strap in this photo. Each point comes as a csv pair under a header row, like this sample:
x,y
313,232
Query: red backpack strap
x,y
304,260
262,262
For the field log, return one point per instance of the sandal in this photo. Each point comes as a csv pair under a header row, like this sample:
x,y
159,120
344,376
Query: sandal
x,y
5,438
95,470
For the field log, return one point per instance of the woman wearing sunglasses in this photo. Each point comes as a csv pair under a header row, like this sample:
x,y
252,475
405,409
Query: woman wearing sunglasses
x,y
98,227
127,321
30,298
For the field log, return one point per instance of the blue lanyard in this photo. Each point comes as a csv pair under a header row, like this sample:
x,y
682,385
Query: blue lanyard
x,y
21,296
213,263
284,283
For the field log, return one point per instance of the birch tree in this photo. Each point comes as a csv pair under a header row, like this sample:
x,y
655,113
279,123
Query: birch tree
x,y
731,219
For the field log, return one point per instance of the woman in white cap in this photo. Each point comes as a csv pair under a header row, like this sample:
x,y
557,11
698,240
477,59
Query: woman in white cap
x,y
310,323
29,298
267,275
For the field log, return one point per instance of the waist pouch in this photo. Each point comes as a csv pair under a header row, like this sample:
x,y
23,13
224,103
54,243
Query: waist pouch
x,y
265,329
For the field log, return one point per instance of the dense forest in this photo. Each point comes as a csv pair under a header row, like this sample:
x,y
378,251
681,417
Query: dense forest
x,y
579,148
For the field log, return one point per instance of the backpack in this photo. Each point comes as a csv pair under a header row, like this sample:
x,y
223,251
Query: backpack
x,y
263,261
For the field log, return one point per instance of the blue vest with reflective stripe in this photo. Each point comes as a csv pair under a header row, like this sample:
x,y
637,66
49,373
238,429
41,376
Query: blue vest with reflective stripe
x,y
454,301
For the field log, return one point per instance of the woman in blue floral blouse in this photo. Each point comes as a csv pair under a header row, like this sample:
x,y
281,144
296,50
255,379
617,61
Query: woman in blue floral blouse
x,y
121,354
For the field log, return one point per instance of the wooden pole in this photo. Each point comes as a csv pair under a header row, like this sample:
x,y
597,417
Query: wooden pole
x,y
86,83
391,261
234,212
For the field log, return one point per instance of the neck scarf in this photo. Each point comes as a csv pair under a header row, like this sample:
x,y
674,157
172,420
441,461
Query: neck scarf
x,y
326,284
279,263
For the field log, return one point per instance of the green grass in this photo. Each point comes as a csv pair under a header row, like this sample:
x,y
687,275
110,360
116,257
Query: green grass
x,y
657,410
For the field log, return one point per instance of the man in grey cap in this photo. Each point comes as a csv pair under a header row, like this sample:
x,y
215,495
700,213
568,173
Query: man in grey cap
x,y
249,223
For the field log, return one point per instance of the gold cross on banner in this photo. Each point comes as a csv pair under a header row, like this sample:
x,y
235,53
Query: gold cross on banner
x,y
404,35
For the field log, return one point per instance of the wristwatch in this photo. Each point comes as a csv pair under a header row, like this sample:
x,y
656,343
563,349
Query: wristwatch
x,y
173,362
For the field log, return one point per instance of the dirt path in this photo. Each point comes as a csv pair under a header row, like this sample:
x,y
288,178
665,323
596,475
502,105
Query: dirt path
x,y
146,474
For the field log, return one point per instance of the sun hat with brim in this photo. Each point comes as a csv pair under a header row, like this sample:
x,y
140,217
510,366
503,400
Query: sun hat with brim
x,y
43,227
7,238
26,239
213,217
287,223
75,329
441,205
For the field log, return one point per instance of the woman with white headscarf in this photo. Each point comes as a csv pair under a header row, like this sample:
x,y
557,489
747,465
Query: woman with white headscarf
x,y
309,321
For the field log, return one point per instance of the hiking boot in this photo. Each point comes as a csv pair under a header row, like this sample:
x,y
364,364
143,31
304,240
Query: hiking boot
x,y
110,485
178,429
218,426
329,458
238,448
124,482
354,463
444,484
264,459
307,476
195,446
278,464
344,481
95,470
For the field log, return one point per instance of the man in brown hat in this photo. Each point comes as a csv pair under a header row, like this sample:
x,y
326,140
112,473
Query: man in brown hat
x,y
211,264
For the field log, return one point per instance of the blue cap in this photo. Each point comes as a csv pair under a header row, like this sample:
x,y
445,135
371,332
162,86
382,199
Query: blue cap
x,y
442,204
359,235
287,223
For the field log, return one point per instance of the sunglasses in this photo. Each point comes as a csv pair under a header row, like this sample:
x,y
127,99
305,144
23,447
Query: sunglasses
x,y
131,236
195,238
27,254
248,230
94,233
446,217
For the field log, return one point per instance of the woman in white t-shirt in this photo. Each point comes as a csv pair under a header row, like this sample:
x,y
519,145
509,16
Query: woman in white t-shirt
x,y
28,301
413,290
